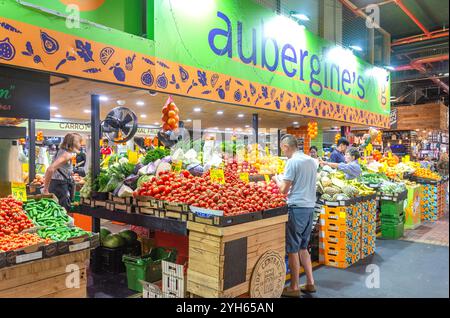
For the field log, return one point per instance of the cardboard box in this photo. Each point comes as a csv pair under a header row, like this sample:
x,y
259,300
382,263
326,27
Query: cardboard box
x,y
23,255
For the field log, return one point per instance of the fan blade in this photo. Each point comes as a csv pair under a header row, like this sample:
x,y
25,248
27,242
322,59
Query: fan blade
x,y
126,120
108,129
126,130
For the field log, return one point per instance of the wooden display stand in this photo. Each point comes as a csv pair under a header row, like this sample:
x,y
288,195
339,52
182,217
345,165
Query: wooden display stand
x,y
235,260
46,278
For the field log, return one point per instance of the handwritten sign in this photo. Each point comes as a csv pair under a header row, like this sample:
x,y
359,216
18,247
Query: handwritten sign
x,y
217,176
19,191
176,166
244,177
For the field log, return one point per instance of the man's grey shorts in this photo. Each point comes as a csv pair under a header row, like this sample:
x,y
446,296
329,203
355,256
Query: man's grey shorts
x,y
298,229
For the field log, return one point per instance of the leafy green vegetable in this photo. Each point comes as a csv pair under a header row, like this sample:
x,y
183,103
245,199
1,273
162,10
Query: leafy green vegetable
x,y
155,154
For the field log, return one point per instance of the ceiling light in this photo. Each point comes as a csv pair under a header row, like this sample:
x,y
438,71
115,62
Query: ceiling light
x,y
247,126
356,48
87,111
188,120
143,116
220,112
140,103
156,123
197,109
104,98
300,16
390,68
238,129
241,115
295,123
53,108
121,102
58,116
446,74
228,128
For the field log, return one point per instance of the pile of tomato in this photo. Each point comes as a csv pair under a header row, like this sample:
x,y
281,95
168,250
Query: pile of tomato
x,y
21,240
234,197
12,218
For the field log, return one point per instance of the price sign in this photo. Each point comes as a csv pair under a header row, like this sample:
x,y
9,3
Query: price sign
x,y
19,191
217,176
132,157
267,178
244,177
176,166
25,167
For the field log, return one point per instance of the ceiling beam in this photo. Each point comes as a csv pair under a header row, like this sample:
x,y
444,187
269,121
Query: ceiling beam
x,y
422,37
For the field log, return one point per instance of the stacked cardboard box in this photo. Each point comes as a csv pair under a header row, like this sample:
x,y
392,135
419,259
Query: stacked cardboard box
x,y
368,227
340,236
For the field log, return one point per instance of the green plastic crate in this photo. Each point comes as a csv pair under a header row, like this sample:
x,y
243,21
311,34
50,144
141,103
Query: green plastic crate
x,y
148,267
393,220
392,232
391,208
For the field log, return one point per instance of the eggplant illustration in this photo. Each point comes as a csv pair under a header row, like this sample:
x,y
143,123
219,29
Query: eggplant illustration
x,y
49,44
119,73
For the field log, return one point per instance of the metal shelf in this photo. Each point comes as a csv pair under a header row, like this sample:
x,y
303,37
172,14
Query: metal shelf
x,y
148,221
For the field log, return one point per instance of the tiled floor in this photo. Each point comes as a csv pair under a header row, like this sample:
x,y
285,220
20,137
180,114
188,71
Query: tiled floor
x,y
436,233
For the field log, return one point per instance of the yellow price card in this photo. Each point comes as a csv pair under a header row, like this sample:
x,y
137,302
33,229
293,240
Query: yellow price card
x,y
19,191
244,177
25,167
217,176
176,166
132,157
267,178
342,215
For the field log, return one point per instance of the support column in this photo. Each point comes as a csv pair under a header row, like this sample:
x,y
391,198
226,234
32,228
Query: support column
x,y
371,46
32,150
330,20
279,142
255,127
95,147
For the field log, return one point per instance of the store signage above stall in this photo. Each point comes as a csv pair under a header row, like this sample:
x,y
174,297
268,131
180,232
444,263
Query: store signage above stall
x,y
24,94
236,52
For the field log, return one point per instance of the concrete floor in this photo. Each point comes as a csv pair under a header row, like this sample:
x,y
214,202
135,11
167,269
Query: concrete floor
x,y
406,269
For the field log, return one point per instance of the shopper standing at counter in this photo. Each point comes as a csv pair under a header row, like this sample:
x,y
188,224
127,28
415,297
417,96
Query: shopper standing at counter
x,y
351,167
58,177
299,184
338,154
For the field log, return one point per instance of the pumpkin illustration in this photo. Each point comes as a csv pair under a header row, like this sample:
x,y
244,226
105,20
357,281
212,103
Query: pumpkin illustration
x,y
85,5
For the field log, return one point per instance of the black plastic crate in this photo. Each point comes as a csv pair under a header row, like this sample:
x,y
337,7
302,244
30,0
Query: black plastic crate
x,y
223,221
111,259
133,249
274,212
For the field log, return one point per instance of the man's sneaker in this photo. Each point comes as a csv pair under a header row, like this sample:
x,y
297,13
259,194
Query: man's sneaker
x,y
306,288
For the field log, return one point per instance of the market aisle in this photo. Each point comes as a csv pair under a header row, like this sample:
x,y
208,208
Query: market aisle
x,y
430,233
406,270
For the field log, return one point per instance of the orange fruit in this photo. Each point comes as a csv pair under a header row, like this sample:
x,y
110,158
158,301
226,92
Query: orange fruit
x,y
171,121
172,114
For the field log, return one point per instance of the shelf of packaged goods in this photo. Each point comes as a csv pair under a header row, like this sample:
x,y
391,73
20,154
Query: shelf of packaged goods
x,y
148,221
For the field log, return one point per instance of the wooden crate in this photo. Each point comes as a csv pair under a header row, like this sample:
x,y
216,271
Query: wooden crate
x,y
46,278
222,260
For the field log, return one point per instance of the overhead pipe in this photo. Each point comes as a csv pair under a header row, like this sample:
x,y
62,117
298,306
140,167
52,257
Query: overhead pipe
x,y
412,17
418,65
357,11
422,37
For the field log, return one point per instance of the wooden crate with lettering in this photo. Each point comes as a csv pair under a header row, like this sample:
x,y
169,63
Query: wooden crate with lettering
x,y
227,261
47,278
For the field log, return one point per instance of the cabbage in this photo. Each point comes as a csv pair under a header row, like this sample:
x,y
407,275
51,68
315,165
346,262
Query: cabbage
x,y
125,191
142,180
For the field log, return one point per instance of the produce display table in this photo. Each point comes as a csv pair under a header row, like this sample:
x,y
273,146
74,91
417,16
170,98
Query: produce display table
x,y
46,277
148,221
235,260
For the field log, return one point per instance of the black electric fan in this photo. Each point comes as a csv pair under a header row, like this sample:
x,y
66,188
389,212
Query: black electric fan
x,y
120,125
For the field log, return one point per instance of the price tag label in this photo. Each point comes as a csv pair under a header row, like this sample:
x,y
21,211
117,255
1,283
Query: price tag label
x,y
19,191
176,166
25,167
217,176
267,178
79,246
132,157
342,215
244,177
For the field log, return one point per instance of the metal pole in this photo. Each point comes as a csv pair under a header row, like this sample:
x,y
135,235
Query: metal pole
x,y
342,131
279,142
255,127
32,150
95,147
